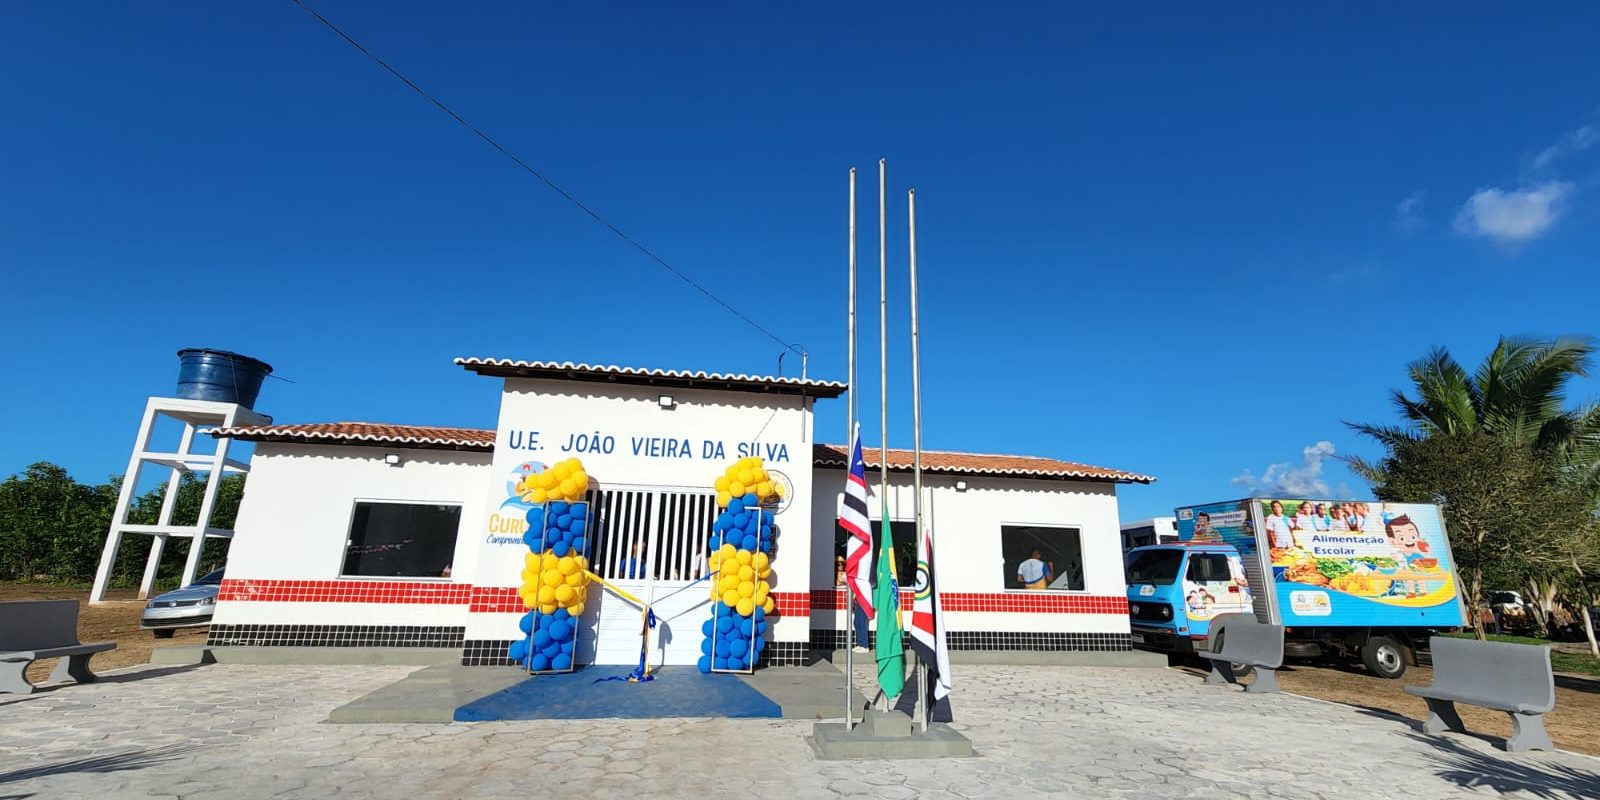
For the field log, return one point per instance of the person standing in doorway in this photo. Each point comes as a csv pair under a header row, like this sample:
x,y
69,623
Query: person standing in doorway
x,y
1035,572
858,614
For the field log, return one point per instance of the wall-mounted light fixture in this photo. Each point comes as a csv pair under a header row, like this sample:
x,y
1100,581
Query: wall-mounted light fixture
x,y
961,486
667,402
392,459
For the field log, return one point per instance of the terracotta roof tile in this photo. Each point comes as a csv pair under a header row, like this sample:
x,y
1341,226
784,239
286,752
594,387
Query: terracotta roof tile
x,y
610,373
365,433
946,463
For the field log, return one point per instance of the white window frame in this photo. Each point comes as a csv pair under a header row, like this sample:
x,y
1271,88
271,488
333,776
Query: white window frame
x,y
1083,561
350,521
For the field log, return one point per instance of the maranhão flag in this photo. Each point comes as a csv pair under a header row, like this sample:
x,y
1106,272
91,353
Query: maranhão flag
x,y
927,621
853,518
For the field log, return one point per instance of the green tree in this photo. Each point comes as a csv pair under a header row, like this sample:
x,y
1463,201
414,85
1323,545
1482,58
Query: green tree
x,y
1517,471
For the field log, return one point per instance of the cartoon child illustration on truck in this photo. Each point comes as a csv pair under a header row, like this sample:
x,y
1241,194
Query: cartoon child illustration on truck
x,y
1409,548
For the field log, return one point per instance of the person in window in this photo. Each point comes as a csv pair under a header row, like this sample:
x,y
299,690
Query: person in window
x,y
1036,573
1279,532
633,567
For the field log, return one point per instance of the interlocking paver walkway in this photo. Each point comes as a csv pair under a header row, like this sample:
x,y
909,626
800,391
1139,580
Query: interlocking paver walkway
x,y
234,732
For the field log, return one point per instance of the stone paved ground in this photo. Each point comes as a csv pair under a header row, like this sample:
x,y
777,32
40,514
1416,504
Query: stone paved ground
x,y
240,732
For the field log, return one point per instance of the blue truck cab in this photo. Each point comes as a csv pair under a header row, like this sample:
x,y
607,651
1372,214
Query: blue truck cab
x,y
1175,590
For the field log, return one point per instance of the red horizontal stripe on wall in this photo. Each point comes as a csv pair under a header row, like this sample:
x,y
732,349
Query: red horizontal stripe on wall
x,y
792,604
290,591
1042,602
496,600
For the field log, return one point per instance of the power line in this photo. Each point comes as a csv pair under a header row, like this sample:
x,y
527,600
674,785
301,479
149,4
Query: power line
x,y
487,139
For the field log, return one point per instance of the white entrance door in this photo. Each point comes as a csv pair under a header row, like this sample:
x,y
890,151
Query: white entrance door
x,y
649,542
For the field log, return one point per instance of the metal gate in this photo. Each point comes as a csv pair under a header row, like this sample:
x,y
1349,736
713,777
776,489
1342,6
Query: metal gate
x,y
650,542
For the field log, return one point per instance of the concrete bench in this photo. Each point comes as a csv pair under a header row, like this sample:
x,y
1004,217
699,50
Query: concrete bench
x,y
1514,678
35,629
1241,639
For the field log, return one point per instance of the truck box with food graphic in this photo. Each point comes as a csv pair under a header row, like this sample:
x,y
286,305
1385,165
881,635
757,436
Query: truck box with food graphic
x,y
1348,578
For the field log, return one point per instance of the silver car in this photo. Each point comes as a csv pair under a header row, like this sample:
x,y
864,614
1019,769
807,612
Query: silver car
x,y
182,608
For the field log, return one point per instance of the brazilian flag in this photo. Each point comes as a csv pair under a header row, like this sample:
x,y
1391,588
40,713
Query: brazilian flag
x,y
890,649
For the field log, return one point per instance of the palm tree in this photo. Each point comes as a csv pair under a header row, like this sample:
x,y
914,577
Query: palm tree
x,y
1517,395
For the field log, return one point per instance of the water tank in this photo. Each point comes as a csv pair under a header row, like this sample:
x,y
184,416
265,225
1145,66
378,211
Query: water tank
x,y
220,376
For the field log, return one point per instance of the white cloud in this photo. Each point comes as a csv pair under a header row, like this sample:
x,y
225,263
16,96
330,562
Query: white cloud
x,y
1288,480
1408,212
1514,217
1575,141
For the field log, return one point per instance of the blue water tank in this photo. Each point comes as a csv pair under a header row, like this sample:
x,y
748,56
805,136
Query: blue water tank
x,y
220,376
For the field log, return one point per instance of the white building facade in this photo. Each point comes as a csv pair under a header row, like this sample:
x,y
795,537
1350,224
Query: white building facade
x,y
369,535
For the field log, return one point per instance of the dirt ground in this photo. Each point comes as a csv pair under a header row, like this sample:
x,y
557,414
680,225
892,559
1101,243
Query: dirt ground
x,y
1574,724
116,621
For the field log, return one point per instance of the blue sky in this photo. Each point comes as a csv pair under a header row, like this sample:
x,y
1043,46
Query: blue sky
x,y
1177,239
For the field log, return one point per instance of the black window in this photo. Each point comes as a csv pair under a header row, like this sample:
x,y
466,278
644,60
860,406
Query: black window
x,y
1051,557
1205,567
905,548
1157,567
401,540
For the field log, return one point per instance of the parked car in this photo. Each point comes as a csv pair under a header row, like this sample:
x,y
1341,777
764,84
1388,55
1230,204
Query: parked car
x,y
1511,613
182,608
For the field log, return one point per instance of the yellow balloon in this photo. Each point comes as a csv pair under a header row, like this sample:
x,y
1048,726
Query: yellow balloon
x,y
547,594
583,562
576,609
777,489
769,606
547,608
576,579
563,594
747,476
567,565
723,498
721,483
553,578
716,559
763,586
745,606
736,488
747,589
760,597
743,556
549,561
727,551
530,559
760,560
746,573
731,597
539,496
764,489
766,573
548,480
729,582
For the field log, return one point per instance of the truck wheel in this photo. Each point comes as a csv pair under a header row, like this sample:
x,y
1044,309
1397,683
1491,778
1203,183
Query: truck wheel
x,y
1384,657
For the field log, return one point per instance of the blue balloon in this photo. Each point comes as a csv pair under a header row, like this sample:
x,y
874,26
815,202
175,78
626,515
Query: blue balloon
x,y
579,545
759,614
744,627
720,663
540,663
561,631
518,651
578,510
578,526
761,644
563,520
735,505
531,539
562,661
560,549
707,627
751,501
525,623
716,542
541,639
566,647
704,665
535,517
552,651
749,543
735,663
737,645
543,622
705,646
761,627
557,507
724,624
741,521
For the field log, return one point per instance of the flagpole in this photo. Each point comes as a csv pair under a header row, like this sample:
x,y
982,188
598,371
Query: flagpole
x,y
916,432
883,359
850,428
